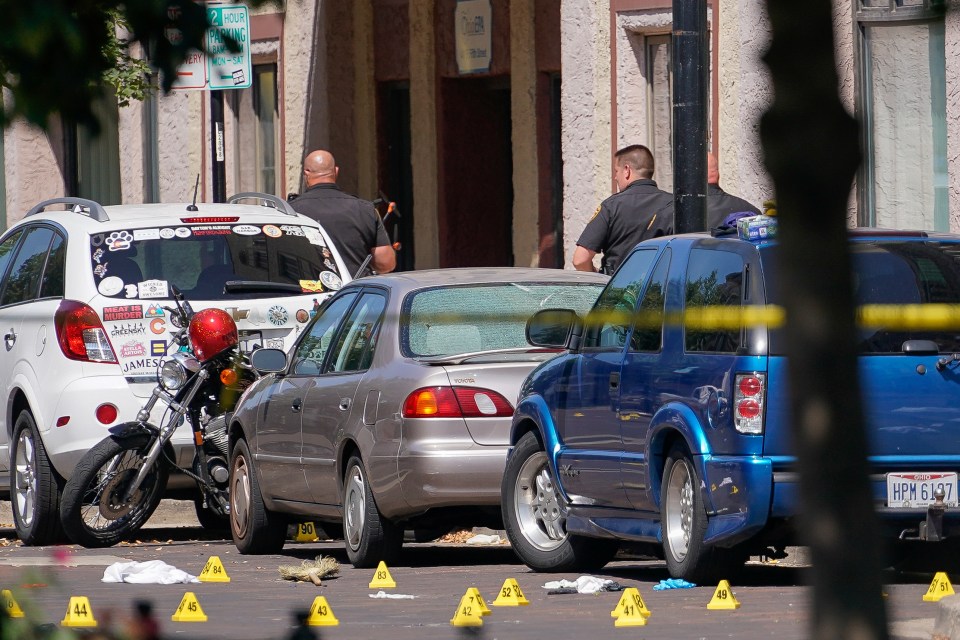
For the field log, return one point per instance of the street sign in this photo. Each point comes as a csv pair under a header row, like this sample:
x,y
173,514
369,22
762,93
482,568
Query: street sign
x,y
192,74
226,69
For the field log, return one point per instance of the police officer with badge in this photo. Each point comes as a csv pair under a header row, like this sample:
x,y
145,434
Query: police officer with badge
x,y
638,211
353,224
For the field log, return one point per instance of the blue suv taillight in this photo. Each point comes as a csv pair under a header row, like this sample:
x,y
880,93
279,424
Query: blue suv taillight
x,y
748,399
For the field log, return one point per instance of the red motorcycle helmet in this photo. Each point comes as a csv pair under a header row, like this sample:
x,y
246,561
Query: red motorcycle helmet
x,y
212,331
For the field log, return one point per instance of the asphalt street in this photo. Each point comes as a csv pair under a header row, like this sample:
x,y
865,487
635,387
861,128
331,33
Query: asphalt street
x,y
258,603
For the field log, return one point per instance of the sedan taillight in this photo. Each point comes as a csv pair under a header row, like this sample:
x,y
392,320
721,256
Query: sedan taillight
x,y
456,402
749,392
81,334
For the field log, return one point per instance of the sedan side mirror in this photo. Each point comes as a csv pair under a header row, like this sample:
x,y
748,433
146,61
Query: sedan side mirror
x,y
268,360
553,328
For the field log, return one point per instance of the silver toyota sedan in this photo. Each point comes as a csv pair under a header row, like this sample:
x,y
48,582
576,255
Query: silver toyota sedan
x,y
391,412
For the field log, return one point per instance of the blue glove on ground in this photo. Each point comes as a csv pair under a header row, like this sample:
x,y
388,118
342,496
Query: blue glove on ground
x,y
673,583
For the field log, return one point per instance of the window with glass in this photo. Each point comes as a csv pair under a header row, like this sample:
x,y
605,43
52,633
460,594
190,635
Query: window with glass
x,y
265,101
7,250
23,282
607,323
312,349
452,320
200,259
659,73
51,286
648,327
357,341
714,279
902,102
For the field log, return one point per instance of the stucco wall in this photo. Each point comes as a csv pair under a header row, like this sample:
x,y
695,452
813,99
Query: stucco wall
x,y
745,93
181,146
304,85
585,112
953,114
31,169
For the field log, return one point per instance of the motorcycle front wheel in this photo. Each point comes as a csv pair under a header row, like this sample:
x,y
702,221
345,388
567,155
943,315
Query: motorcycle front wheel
x,y
93,510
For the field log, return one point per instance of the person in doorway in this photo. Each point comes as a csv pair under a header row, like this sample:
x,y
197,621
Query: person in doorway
x,y
639,210
352,223
721,204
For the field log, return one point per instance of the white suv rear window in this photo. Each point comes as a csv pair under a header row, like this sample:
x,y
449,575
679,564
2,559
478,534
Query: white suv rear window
x,y
201,259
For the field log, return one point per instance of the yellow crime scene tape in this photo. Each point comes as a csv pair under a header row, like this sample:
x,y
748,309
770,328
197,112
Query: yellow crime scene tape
x,y
922,317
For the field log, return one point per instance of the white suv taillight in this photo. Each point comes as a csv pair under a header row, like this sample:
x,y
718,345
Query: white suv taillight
x,y
748,396
81,334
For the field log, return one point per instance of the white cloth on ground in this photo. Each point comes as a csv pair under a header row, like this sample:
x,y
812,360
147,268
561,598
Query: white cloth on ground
x,y
583,584
150,572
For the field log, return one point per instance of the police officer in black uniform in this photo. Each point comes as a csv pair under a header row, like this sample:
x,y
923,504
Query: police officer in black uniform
x,y
353,224
721,204
638,211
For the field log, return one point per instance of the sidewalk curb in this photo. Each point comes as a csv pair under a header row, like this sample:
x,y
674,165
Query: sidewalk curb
x,y
947,625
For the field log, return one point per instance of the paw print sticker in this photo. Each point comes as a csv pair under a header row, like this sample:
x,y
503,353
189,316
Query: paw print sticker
x,y
119,240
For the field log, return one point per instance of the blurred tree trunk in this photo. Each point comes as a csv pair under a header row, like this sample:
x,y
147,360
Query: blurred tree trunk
x,y
811,149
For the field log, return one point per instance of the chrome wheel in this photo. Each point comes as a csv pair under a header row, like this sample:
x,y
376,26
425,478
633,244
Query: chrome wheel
x,y
240,496
540,511
678,520
354,507
25,477
253,527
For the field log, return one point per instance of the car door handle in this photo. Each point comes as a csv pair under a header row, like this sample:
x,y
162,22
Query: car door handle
x,y
614,381
297,405
10,338
344,404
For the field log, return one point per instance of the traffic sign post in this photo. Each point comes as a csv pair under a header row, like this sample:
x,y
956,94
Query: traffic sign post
x,y
227,69
220,68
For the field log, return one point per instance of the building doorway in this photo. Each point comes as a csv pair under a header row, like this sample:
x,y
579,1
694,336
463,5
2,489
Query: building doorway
x,y
475,184
396,173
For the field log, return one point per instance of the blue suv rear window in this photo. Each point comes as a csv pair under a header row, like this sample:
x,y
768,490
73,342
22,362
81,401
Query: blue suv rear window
x,y
890,272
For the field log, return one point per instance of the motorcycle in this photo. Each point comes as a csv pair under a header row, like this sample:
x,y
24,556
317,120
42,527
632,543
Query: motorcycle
x,y
118,484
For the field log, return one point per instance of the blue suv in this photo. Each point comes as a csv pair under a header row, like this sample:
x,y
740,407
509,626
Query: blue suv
x,y
647,430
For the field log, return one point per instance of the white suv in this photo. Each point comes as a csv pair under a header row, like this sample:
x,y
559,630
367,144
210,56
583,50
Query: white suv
x,y
82,297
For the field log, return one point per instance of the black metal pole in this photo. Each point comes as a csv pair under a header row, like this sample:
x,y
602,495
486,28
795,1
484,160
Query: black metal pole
x,y
690,76
218,164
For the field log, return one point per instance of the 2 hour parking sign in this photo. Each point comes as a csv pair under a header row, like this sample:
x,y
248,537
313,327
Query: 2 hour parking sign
x,y
227,69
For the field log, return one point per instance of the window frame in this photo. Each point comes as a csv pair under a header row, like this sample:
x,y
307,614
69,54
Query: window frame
x,y
867,14
342,350
34,295
354,295
744,296
593,330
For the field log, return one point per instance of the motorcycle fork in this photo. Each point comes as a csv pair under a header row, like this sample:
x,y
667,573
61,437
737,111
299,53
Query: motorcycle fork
x,y
166,432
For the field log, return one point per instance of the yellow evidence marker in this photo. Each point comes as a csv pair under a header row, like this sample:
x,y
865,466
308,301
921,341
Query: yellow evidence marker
x,y
306,532
213,571
628,613
468,613
940,587
474,593
79,613
189,610
321,615
723,598
630,598
382,578
510,595
10,604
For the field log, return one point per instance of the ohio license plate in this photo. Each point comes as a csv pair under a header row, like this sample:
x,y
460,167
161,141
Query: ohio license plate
x,y
910,490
